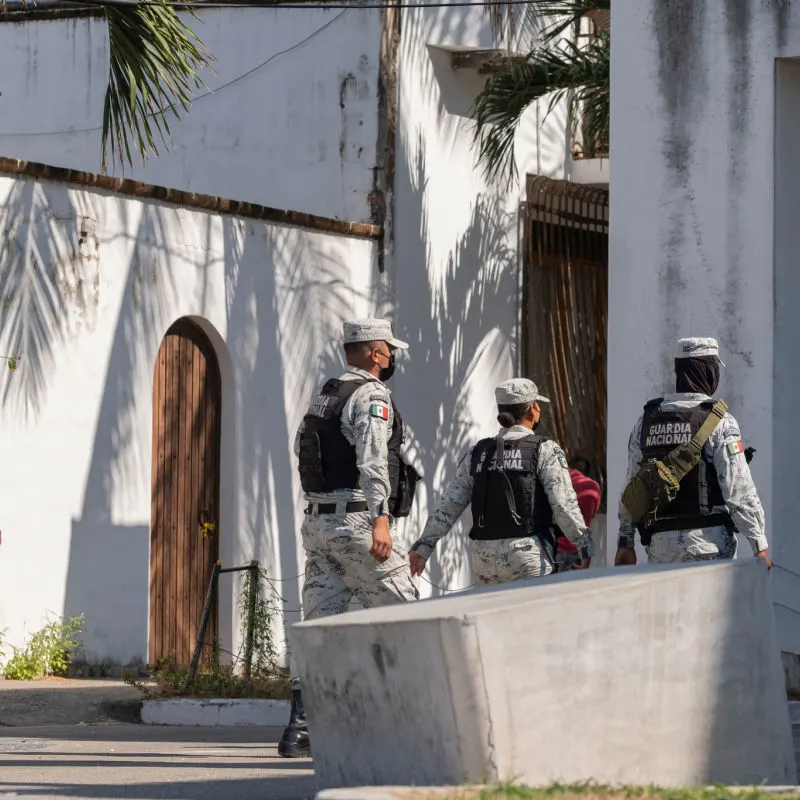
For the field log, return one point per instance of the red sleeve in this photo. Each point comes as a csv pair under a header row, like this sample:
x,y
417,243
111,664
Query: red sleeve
x,y
588,492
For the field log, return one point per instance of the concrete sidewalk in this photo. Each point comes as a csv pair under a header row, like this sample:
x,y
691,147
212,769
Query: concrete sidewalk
x,y
140,762
66,701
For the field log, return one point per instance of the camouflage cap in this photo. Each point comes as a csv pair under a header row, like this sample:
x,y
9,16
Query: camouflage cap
x,y
696,347
517,391
371,330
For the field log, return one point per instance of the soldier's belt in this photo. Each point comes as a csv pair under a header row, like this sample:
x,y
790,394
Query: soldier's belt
x,y
332,508
697,521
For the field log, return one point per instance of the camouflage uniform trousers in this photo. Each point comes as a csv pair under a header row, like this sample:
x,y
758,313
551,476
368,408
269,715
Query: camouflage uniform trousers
x,y
676,547
507,560
339,567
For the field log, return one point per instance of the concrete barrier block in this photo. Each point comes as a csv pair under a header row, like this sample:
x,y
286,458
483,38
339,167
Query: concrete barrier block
x,y
665,675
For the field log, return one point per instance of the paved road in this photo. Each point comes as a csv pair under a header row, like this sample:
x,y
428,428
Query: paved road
x,y
140,762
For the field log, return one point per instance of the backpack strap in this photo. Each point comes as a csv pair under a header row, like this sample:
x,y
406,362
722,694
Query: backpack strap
x,y
716,416
683,458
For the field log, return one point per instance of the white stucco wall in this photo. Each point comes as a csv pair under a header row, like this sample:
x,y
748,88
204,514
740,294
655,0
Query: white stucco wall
x,y
703,236
76,416
274,298
288,118
456,272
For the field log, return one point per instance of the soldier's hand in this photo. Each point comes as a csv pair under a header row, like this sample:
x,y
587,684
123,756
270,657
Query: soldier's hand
x,y
417,563
582,564
764,556
625,557
381,539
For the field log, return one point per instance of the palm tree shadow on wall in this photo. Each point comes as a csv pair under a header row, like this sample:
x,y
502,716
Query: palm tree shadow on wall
x,y
108,575
287,292
50,287
262,456
41,249
457,349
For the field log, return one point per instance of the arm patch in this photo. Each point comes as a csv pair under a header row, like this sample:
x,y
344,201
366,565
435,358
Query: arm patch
x,y
734,448
379,410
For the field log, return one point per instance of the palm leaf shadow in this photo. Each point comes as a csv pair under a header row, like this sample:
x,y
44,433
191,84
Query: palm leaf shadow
x,y
458,352
43,282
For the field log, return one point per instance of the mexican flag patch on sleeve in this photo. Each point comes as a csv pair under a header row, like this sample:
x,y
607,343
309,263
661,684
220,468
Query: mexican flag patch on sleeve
x,y
379,410
734,448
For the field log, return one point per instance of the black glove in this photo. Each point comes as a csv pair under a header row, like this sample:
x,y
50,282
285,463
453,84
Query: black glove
x,y
749,453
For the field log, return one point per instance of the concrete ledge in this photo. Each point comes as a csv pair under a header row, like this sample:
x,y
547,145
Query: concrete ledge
x,y
217,712
673,674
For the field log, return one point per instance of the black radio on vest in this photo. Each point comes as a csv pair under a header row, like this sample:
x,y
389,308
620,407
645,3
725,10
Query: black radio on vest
x,y
662,431
508,500
328,461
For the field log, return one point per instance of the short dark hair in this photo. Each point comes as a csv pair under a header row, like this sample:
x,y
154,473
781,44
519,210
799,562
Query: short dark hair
x,y
580,463
359,348
512,415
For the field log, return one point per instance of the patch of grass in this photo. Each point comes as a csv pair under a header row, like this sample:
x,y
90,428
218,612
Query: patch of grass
x,y
515,791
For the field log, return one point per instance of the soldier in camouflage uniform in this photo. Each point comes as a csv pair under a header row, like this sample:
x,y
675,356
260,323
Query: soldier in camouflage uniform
x,y
518,485
356,483
718,496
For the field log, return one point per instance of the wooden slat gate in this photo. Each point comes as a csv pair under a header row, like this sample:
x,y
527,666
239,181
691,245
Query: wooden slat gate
x,y
565,308
185,492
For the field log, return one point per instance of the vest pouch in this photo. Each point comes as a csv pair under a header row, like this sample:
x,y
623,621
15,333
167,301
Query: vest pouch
x,y
408,478
652,489
312,477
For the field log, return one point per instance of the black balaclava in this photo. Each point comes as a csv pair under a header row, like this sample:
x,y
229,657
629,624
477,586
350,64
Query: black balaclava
x,y
698,375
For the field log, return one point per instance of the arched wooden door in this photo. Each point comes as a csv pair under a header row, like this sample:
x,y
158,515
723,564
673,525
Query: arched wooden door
x,y
187,399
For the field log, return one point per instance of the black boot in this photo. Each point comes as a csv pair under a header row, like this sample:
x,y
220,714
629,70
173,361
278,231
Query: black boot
x,y
295,743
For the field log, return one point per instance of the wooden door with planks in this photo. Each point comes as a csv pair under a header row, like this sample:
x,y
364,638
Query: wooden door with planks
x,y
565,307
187,399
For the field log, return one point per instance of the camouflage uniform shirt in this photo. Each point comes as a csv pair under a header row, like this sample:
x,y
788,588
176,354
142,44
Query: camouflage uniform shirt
x,y
369,435
553,474
735,481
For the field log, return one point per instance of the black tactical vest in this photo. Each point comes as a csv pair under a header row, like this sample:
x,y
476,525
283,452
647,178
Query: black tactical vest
x,y
510,503
328,461
663,430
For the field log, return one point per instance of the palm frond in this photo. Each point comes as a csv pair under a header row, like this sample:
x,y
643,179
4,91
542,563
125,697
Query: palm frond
x,y
154,64
580,74
561,15
542,20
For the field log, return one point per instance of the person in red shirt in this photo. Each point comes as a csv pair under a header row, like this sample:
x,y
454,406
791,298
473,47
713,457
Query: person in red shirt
x,y
588,492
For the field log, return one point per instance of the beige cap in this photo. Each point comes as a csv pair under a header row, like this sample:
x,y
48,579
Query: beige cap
x,y
371,330
696,347
517,391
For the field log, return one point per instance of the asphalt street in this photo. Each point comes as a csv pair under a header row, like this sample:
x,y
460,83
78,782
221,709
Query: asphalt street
x,y
142,762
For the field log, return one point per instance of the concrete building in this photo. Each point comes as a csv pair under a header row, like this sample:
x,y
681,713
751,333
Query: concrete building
x,y
704,239
172,337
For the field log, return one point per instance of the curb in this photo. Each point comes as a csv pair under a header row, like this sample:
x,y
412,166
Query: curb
x,y
397,792
190,711
464,792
